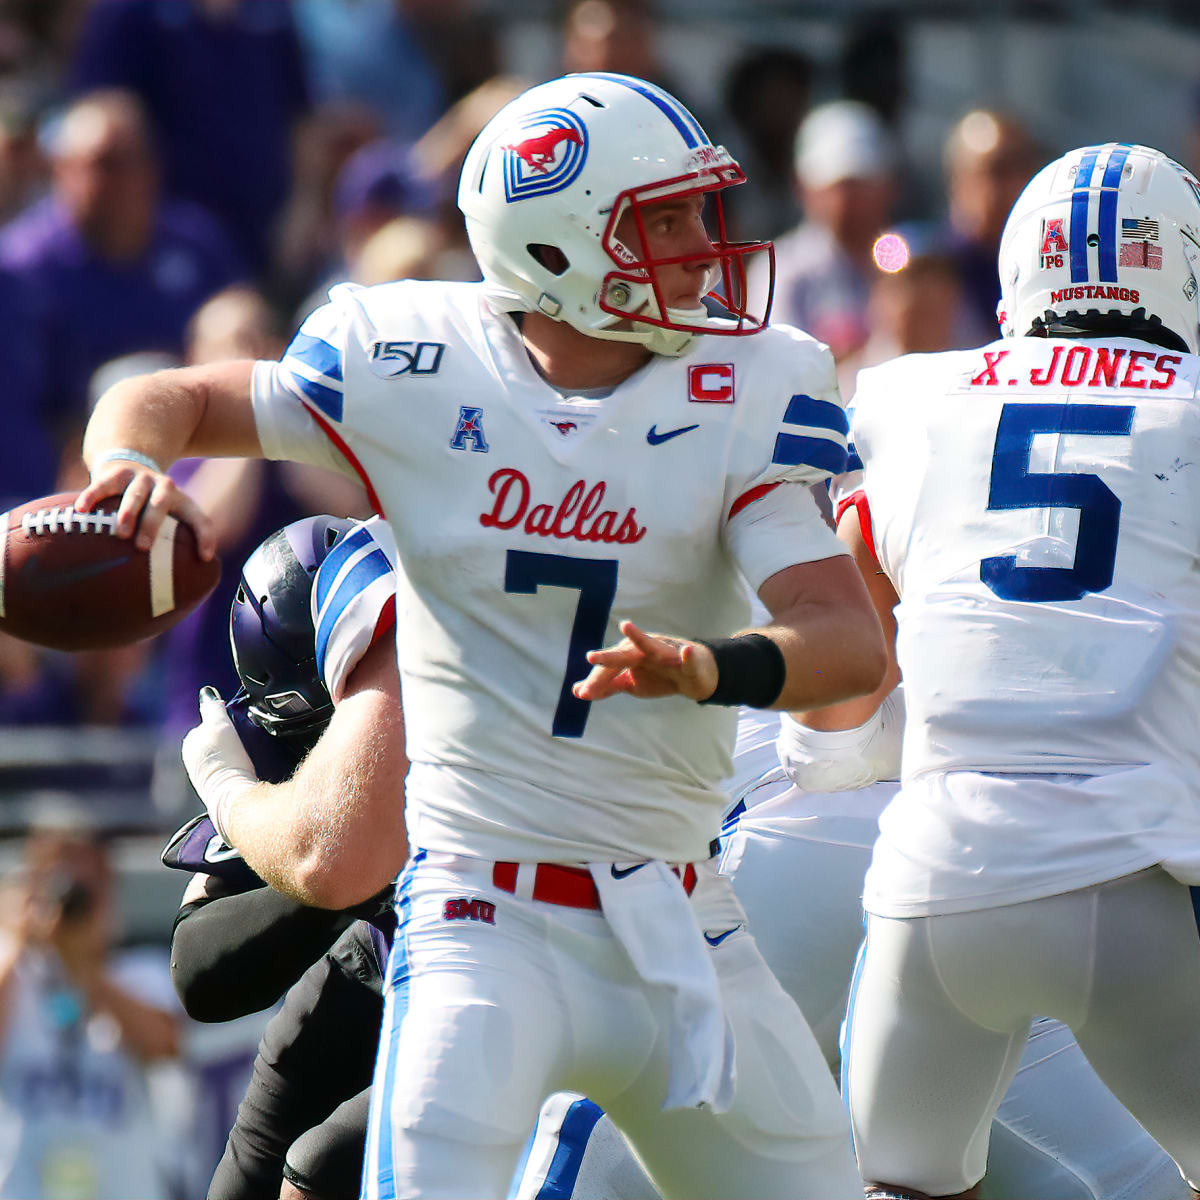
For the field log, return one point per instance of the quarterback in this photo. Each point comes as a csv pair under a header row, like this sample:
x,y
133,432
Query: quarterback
x,y
1033,504
595,442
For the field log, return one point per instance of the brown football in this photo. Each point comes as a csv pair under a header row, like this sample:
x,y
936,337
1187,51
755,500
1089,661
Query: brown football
x,y
68,582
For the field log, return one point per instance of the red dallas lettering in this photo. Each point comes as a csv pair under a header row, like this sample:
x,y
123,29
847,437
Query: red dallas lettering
x,y
991,359
577,515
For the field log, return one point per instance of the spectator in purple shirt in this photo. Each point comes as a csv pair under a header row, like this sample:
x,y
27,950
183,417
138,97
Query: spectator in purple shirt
x,y
224,81
103,265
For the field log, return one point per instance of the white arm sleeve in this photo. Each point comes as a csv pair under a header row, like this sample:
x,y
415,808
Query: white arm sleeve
x,y
844,760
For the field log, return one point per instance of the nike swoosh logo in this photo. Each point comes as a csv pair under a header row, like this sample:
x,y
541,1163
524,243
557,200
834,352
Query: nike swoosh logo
x,y
38,579
655,438
627,871
716,941
216,851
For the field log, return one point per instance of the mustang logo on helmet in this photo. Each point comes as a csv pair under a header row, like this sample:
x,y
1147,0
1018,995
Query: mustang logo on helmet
x,y
548,158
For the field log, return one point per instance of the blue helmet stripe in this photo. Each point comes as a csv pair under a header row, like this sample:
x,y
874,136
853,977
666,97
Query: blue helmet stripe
x,y
687,125
1079,215
1108,212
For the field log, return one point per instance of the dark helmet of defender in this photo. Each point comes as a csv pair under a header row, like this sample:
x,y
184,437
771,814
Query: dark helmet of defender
x,y
271,628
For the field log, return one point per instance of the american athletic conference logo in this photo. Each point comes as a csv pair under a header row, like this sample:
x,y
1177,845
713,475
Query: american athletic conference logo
x,y
547,154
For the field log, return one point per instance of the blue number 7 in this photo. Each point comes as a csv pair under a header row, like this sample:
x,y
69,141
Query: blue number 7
x,y
596,580
1015,486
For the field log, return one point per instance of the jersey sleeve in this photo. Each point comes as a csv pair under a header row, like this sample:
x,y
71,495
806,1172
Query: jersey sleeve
x,y
786,445
298,401
780,528
354,600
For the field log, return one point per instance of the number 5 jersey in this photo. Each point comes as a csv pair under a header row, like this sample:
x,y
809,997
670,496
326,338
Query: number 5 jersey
x,y
527,524
1036,504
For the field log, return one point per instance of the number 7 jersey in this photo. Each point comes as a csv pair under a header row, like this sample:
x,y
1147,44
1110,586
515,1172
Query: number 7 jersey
x,y
1036,504
527,525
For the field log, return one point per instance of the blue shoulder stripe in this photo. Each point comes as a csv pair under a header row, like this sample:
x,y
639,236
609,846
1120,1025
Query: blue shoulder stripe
x,y
854,461
325,398
824,414
345,549
318,354
793,450
356,580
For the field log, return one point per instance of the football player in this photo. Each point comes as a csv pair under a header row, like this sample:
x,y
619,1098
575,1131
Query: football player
x,y
1033,504
576,447
238,945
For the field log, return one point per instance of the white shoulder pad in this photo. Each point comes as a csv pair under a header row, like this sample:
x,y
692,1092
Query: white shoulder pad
x,y
353,600
844,760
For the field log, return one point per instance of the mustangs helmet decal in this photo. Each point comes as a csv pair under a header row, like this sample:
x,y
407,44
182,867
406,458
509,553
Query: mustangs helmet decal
x,y
547,154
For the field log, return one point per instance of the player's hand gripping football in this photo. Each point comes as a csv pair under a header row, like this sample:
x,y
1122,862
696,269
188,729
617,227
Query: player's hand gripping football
x,y
649,665
147,497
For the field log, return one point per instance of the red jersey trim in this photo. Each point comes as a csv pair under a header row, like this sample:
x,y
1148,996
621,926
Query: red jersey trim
x,y
386,621
755,493
858,500
348,454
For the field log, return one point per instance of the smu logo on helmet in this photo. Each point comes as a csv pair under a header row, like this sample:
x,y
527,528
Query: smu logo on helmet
x,y
547,153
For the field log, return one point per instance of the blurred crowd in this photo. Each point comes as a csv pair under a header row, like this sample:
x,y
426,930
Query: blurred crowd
x,y
182,181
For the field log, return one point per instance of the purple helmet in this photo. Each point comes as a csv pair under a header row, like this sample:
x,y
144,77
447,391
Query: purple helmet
x,y
271,628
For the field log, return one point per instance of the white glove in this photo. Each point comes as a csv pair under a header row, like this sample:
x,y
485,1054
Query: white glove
x,y
217,762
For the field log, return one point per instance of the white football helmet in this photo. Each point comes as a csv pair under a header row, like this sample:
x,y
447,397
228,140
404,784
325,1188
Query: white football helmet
x,y
1105,240
550,176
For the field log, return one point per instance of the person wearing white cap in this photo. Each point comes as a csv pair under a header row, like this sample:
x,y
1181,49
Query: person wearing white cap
x,y
846,159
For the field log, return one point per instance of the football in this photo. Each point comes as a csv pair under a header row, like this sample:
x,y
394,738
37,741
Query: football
x,y
69,583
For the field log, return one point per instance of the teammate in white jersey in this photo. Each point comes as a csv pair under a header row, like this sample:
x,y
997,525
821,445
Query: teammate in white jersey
x,y
1035,504
796,846
575,440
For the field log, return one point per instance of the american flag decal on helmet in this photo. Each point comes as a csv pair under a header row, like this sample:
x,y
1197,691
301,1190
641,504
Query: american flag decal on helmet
x,y
1139,227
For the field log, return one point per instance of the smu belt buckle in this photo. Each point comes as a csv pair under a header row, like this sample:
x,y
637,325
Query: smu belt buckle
x,y
710,383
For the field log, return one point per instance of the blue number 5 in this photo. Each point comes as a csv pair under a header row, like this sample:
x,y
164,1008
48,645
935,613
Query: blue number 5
x,y
596,580
1015,486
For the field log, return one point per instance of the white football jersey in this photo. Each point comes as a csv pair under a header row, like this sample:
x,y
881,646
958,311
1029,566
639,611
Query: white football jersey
x,y
527,525
1036,503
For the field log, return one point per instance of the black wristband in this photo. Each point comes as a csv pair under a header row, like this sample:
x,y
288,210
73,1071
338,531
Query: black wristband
x,y
750,670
